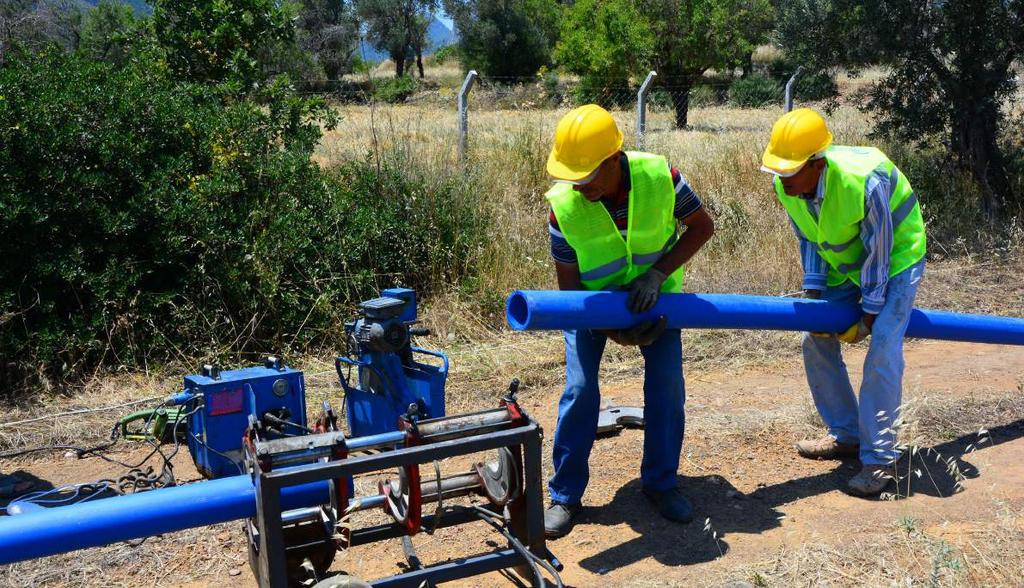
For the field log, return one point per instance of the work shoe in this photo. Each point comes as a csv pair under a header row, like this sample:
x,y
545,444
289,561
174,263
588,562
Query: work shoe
x,y
671,504
871,480
558,519
826,448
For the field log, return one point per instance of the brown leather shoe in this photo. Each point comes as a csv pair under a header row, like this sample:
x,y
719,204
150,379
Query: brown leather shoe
x,y
871,480
826,448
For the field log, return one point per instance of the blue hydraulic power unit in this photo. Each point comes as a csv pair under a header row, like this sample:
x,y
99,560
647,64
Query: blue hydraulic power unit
x,y
222,406
389,383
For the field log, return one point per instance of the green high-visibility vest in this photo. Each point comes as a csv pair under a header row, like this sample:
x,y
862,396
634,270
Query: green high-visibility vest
x,y
836,229
607,260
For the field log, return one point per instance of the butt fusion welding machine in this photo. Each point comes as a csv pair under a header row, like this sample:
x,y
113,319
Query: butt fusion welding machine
x,y
253,420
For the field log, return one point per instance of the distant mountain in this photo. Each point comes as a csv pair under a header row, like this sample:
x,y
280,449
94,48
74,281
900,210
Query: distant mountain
x,y
438,35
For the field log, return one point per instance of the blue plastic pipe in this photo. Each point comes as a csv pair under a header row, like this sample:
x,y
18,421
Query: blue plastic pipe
x,y
91,524
552,309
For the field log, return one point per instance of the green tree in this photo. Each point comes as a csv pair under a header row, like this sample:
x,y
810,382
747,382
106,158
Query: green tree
x,y
820,34
109,30
680,39
328,30
34,24
606,43
693,36
504,38
223,40
950,75
398,27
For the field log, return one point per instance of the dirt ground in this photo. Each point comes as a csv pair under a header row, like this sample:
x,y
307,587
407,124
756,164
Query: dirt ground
x,y
764,516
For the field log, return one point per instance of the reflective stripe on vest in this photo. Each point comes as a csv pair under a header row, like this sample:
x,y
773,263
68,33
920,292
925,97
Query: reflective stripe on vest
x,y
836,229
606,259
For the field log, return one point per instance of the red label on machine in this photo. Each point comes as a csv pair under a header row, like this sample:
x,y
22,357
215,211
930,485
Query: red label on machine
x,y
226,402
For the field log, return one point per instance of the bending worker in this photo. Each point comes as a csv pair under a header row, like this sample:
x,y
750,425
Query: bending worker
x,y
613,226
862,240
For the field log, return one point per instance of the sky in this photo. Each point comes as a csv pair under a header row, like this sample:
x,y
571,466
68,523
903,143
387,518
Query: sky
x,y
441,16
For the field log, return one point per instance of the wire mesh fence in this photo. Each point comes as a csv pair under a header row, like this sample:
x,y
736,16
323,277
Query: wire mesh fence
x,y
380,111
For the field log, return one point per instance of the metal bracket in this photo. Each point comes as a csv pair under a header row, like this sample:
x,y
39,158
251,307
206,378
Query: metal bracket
x,y
611,419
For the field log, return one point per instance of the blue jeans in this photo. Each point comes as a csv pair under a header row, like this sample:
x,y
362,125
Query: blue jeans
x,y
871,423
664,396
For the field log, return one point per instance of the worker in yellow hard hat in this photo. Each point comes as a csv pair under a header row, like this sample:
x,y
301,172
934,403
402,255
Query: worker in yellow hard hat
x,y
862,241
615,224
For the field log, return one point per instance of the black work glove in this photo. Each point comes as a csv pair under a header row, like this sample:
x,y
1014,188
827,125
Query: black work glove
x,y
644,291
643,334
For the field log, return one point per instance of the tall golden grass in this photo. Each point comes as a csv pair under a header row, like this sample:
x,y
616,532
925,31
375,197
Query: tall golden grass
x,y
752,251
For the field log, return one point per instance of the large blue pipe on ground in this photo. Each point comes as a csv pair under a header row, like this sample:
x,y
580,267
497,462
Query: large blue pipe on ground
x,y
559,310
91,524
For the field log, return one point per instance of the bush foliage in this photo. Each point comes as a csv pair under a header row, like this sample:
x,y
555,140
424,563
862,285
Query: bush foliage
x,y
145,219
755,91
394,90
812,85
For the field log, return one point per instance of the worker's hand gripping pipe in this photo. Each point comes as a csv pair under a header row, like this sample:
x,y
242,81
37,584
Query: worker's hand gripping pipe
x,y
565,310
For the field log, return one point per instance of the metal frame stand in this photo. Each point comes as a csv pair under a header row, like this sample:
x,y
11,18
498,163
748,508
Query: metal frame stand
x,y
526,436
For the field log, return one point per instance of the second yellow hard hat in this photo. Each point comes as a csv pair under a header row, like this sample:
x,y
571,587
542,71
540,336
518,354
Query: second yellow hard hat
x,y
583,139
796,137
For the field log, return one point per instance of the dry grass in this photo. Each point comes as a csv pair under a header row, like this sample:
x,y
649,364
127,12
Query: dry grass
x,y
207,553
753,250
987,553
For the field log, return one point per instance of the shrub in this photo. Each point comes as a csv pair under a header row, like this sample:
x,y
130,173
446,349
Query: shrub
x,y
394,90
706,95
445,54
145,220
605,92
363,66
809,85
755,91
554,91
400,226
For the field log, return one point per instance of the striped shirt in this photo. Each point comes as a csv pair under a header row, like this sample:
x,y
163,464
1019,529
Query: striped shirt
x,y
876,232
687,203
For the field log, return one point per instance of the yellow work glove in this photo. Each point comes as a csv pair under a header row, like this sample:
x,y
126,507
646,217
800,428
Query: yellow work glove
x,y
856,333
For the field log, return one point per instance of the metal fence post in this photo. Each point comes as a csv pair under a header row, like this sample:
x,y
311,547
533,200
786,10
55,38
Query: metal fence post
x,y
641,109
467,85
789,88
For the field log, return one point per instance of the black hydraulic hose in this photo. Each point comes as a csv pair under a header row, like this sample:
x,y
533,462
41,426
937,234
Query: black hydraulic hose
x,y
531,559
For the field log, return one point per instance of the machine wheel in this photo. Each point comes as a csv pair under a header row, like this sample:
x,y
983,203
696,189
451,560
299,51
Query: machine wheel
x,y
500,480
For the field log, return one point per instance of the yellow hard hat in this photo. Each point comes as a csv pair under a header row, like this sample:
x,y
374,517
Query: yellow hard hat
x,y
796,136
583,139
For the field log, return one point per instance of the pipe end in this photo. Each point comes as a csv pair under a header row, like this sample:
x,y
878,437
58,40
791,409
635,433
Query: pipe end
x,y
517,311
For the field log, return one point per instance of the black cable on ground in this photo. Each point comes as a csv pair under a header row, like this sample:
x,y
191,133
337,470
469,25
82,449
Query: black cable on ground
x,y
540,560
531,559
135,478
